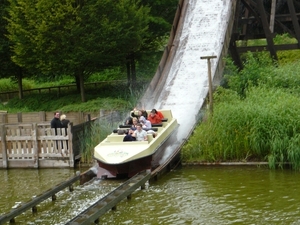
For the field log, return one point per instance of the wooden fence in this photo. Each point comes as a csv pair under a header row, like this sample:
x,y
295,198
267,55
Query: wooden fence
x,y
34,144
6,96
37,145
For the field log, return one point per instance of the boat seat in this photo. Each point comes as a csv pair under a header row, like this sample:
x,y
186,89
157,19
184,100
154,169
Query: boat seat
x,y
115,138
150,137
146,129
153,125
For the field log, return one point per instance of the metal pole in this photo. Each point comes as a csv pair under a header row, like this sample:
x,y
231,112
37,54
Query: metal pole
x,y
210,91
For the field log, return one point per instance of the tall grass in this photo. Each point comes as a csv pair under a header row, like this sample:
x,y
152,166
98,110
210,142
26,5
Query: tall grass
x,y
256,116
92,135
263,126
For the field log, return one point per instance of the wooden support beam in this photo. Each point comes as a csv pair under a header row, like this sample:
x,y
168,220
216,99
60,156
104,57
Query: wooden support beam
x,y
263,16
294,20
272,16
265,48
251,10
234,53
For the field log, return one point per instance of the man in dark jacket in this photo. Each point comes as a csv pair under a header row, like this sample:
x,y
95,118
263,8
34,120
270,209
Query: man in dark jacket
x,y
55,122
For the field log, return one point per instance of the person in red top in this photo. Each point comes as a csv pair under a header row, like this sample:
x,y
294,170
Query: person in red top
x,y
155,117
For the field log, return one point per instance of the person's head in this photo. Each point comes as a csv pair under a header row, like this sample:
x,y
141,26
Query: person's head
x,y
153,112
139,127
63,117
142,120
134,120
56,115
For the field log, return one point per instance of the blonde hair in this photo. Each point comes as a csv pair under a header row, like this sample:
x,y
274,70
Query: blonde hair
x,y
134,119
63,116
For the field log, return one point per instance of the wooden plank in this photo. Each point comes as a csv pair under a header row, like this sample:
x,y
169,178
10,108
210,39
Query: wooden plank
x,y
53,155
34,148
265,48
3,145
70,146
267,31
294,20
20,155
272,16
38,199
92,214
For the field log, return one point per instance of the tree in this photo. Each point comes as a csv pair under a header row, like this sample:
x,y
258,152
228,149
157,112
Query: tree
x,y
8,67
75,37
160,22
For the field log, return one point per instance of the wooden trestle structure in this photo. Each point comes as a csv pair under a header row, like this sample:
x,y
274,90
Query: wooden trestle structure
x,y
264,19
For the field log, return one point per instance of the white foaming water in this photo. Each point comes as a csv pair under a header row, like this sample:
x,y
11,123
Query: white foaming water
x,y
186,86
187,82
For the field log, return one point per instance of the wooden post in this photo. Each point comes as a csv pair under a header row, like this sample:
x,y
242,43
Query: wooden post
x,y
209,81
81,117
294,20
70,145
35,145
269,37
42,116
20,117
272,16
3,117
3,145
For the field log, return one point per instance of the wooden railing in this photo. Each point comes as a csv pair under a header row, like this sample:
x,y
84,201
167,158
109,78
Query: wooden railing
x,y
35,146
5,96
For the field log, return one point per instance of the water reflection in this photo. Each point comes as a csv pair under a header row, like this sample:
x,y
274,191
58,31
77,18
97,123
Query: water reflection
x,y
19,185
215,195
192,195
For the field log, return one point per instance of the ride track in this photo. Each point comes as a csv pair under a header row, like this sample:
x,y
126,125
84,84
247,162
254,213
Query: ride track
x,y
200,28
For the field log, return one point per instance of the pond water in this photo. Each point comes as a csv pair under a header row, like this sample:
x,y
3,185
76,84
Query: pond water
x,y
190,195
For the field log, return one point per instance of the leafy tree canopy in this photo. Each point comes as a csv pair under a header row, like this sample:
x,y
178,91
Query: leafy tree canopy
x,y
75,37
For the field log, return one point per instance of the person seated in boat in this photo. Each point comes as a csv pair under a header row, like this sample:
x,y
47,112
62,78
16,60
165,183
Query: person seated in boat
x,y
134,123
145,123
158,113
155,117
139,133
128,121
135,113
138,113
128,136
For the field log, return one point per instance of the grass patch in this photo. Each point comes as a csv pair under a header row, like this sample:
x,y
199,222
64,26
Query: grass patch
x,y
264,126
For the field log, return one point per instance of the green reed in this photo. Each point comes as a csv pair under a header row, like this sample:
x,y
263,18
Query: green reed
x,y
263,126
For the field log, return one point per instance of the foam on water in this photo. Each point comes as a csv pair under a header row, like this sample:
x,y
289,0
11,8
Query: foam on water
x,y
186,85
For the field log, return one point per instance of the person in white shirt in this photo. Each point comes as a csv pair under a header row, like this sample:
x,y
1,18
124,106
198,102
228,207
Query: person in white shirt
x,y
139,133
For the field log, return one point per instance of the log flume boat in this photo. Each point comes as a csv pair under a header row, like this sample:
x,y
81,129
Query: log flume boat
x,y
125,159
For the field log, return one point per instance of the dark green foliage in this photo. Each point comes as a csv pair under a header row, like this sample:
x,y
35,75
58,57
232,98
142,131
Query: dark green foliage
x,y
257,66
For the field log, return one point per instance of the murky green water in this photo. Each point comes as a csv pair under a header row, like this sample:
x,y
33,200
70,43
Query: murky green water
x,y
192,195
